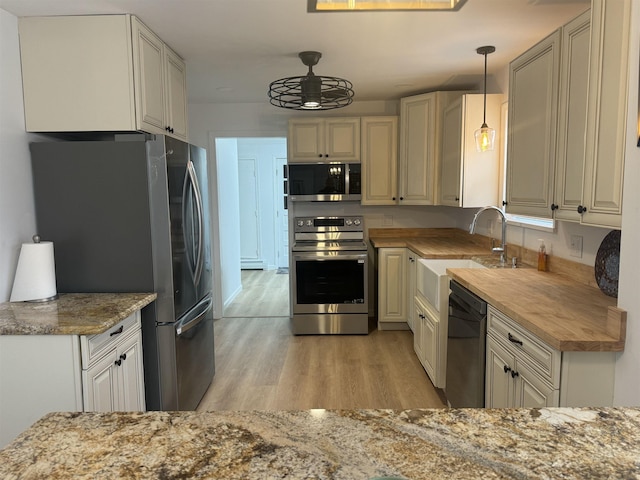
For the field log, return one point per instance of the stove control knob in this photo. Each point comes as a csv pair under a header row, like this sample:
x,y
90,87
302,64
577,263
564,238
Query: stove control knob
x,y
309,223
300,223
356,221
348,222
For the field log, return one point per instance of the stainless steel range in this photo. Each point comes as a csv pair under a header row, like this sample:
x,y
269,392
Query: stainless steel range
x,y
329,276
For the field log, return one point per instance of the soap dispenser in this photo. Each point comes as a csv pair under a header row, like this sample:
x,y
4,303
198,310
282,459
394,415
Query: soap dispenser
x,y
542,257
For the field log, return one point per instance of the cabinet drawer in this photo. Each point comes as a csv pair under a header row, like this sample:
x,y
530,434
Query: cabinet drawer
x,y
524,344
93,346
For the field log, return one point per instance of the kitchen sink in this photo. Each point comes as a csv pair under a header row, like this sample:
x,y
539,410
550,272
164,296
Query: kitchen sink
x,y
433,282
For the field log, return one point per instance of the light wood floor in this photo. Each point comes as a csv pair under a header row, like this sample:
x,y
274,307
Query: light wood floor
x,y
260,365
265,293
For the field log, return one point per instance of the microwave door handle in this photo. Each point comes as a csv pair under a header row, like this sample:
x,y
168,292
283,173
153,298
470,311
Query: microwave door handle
x,y
200,217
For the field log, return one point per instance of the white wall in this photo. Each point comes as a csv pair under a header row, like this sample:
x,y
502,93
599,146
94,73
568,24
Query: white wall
x,y
17,217
227,276
264,151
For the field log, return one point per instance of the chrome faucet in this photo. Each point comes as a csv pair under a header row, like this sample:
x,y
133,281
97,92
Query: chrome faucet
x,y
502,249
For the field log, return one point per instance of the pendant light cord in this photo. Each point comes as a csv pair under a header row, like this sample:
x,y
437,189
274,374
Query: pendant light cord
x,y
484,111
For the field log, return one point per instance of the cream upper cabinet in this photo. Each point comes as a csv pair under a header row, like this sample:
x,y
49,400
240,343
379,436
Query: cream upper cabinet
x,y
420,137
572,118
606,113
532,126
99,73
379,160
324,140
469,178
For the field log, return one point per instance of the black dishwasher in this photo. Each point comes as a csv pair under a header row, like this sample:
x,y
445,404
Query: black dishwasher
x,y
465,348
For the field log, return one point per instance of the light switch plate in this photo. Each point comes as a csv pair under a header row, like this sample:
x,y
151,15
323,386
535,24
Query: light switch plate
x,y
576,246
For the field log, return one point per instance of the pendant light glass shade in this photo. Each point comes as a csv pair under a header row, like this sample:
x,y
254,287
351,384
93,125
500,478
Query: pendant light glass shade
x,y
485,135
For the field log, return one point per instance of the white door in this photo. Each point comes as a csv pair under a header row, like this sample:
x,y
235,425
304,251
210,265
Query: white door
x,y
282,215
249,217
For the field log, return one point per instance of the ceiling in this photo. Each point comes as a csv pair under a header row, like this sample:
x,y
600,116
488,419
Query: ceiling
x,y
235,48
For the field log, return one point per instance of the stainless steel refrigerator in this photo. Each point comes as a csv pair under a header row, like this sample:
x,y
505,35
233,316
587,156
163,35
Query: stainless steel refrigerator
x,y
131,214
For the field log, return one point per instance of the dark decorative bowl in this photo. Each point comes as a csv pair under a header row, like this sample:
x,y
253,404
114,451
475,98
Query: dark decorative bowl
x,y
607,265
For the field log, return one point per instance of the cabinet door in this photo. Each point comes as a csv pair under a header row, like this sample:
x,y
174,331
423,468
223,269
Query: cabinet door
x,y
531,391
130,374
411,270
392,285
418,134
606,113
99,385
572,117
305,142
498,381
342,141
429,339
148,58
176,82
379,160
533,102
418,316
450,174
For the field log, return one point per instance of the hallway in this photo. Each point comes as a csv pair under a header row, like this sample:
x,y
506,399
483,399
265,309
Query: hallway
x,y
265,293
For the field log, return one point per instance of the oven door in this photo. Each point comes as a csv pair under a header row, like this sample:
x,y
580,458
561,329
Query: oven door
x,y
329,282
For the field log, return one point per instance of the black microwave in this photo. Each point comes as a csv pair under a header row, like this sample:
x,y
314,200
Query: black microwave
x,y
323,182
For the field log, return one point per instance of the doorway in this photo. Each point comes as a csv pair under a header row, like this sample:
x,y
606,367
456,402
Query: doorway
x,y
254,259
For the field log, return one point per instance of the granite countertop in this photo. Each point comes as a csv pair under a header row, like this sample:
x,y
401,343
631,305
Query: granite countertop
x,y
570,443
71,313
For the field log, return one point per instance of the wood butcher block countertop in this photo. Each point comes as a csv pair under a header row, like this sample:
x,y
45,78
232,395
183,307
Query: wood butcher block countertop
x,y
566,314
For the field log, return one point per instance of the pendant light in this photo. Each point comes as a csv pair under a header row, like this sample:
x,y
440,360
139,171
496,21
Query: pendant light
x,y
485,135
311,91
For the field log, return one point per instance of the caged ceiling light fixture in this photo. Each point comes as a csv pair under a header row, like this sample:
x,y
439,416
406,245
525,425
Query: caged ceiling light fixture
x,y
311,92
485,135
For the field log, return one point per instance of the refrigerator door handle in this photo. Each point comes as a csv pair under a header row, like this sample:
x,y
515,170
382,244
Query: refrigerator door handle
x,y
198,199
194,317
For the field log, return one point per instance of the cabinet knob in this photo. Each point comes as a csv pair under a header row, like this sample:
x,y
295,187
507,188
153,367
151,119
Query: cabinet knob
x,y
319,155
504,203
167,128
326,155
581,209
514,374
118,362
393,198
123,356
507,369
554,207
401,198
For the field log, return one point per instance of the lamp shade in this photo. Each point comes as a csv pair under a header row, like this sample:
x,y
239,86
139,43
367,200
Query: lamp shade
x,y
35,278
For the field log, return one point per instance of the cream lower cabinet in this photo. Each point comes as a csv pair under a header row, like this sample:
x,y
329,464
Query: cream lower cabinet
x,y
426,336
46,373
100,73
523,371
392,289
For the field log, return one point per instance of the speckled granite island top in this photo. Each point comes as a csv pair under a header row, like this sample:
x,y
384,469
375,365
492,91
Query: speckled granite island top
x,y
71,313
317,444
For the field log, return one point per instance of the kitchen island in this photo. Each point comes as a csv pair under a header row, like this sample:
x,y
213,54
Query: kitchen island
x,y
359,444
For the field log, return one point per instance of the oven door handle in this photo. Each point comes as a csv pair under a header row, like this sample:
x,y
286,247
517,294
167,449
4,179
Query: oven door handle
x,y
328,256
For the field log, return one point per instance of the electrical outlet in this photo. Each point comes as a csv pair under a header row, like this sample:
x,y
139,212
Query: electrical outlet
x,y
576,246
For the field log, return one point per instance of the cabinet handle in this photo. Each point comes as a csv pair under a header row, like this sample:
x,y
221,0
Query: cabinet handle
x,y
118,362
319,155
117,332
167,128
123,356
401,198
554,207
393,198
514,374
326,155
411,259
581,209
513,339
457,199
504,203
507,369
